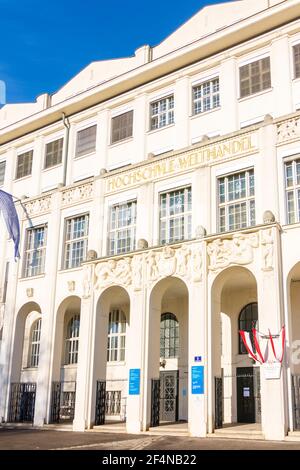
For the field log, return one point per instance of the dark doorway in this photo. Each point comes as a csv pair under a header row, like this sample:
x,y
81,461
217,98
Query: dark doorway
x,y
169,395
246,395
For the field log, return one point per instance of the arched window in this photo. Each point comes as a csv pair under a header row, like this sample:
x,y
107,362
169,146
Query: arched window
x,y
34,349
116,336
72,340
247,320
169,335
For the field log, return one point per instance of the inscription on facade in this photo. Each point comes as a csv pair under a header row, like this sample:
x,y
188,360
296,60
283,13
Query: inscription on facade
x,y
180,163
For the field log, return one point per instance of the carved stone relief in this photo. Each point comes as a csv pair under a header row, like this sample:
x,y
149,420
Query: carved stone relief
x,y
137,272
238,250
113,272
38,206
267,250
288,130
88,280
79,193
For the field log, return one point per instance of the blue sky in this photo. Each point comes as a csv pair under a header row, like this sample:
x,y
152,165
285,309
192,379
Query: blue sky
x,y
44,43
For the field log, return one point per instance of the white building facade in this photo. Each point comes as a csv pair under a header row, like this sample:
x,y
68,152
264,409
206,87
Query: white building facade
x,y
160,214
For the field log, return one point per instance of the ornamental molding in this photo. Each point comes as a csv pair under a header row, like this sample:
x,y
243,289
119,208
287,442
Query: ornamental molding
x,y
77,194
38,206
288,130
239,250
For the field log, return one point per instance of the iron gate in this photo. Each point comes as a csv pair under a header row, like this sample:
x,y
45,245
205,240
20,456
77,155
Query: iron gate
x,y
100,403
296,400
169,385
62,402
22,402
218,402
155,399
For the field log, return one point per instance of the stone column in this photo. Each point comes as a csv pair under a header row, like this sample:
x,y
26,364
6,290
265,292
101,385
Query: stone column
x,y
83,412
229,95
134,359
197,389
281,76
270,311
182,121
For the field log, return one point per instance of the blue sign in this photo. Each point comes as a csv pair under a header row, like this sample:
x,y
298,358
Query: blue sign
x,y
197,380
198,358
134,381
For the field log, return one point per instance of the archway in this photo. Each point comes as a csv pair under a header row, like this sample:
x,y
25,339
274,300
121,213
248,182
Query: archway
x,y
168,352
293,294
65,359
25,360
236,377
110,372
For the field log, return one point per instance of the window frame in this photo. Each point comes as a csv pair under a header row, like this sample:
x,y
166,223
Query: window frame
x,y
116,338
169,316
241,348
29,165
118,229
29,252
72,341
296,67
186,214
211,95
127,136
60,150
35,343
169,112
294,188
2,163
91,149
234,202
250,78
74,240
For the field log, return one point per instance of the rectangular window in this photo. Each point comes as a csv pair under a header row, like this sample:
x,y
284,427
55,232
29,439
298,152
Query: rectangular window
x,y
35,251
86,141
162,113
296,50
122,228
2,172
292,188
255,77
236,196
175,215
54,153
121,127
76,241
206,96
24,164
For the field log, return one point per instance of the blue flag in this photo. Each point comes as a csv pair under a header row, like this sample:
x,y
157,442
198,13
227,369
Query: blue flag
x,y
10,216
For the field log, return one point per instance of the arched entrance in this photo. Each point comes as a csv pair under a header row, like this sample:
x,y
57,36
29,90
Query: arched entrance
x,y
110,372
236,377
168,352
293,290
25,361
65,359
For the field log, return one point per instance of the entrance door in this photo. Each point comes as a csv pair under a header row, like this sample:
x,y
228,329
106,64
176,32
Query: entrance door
x,y
245,395
169,396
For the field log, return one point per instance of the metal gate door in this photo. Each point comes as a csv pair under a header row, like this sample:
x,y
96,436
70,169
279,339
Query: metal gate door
x,y
155,395
169,395
22,402
63,402
218,402
296,400
100,403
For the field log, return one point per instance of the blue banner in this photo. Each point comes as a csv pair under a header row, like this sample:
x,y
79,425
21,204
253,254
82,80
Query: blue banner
x,y
134,381
197,380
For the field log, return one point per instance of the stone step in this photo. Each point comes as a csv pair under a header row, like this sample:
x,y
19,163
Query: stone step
x,y
160,431
293,436
237,433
